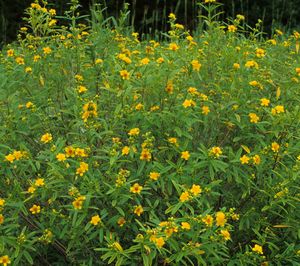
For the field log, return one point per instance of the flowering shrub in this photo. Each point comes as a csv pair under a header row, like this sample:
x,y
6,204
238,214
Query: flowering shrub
x,y
116,150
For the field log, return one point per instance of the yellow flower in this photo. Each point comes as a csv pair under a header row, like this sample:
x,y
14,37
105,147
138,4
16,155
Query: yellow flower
x,y
208,220
77,204
1,220
10,157
298,71
159,242
258,249
196,190
220,219
154,175
139,107
275,147
232,28
216,151
205,110
10,52
46,138
125,150
244,159
170,87
35,209
145,61
209,1
5,260
28,70
31,189
145,155
138,210
160,60
61,157
254,118
70,151
136,188
185,196
188,103
185,155
256,159
196,65
95,220
81,89
277,109
185,225
47,50
236,66
264,102
39,182
2,202
121,221
173,46
124,74
172,16
225,234
260,53
20,60
173,141
83,167
134,132
80,152
251,64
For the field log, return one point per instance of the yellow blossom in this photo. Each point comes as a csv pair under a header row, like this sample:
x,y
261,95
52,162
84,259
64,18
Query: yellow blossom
x,y
185,225
196,190
275,147
196,65
121,221
173,46
256,159
47,50
124,74
208,220
35,209
253,118
258,249
138,210
251,64
264,102
125,150
244,159
5,260
159,242
134,132
205,110
185,155
145,155
220,219
188,103
95,220
260,53
185,196
225,233
39,182
154,175
61,157
136,188
83,167
46,138
232,28
216,151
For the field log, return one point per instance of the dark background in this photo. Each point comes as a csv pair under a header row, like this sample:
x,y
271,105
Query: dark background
x,y
148,15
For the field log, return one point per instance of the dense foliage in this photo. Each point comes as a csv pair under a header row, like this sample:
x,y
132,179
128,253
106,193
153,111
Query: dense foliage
x,y
149,16
123,151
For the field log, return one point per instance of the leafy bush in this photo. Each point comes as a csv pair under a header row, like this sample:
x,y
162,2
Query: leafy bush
x,y
123,151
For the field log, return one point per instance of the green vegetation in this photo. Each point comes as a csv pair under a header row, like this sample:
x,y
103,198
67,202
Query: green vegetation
x,y
119,150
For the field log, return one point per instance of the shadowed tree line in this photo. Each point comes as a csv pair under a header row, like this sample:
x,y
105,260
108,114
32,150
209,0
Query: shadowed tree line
x,y
150,15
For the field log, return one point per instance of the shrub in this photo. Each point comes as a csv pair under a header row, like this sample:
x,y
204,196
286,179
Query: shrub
x,y
127,151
